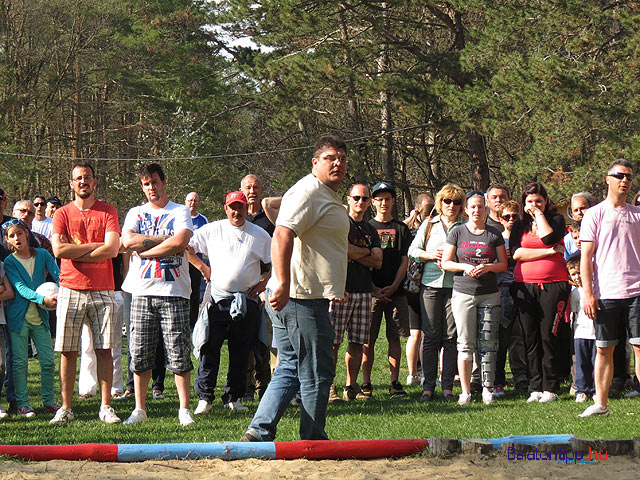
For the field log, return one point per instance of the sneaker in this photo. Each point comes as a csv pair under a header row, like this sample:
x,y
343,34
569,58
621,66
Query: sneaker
x,y
249,437
63,415
595,409
53,408
349,392
632,394
157,395
3,413
203,407
366,390
396,390
137,416
333,394
498,391
547,397
185,416
124,396
236,406
581,397
248,397
487,397
534,397
26,412
464,398
411,379
108,415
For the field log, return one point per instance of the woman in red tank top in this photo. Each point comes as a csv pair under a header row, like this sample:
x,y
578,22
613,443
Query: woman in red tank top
x,y
540,290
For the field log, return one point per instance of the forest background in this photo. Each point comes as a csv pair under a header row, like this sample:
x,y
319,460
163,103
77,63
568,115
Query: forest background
x,y
424,93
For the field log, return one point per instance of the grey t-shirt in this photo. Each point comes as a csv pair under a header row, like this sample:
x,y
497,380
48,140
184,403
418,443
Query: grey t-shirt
x,y
475,250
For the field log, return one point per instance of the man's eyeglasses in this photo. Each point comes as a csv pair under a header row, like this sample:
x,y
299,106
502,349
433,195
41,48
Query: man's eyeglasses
x,y
86,178
39,204
508,217
620,176
449,201
357,198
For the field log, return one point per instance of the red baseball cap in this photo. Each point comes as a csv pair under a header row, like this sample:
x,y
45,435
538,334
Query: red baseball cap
x,y
233,197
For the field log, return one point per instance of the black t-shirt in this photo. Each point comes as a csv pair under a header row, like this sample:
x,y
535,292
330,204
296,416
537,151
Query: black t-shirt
x,y
395,239
492,223
475,250
261,220
361,234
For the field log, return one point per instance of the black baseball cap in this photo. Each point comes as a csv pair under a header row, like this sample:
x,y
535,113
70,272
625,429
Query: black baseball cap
x,y
54,199
383,187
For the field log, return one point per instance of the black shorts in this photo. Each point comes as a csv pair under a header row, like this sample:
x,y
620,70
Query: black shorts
x,y
614,315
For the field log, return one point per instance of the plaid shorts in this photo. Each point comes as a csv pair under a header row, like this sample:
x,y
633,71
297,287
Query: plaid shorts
x,y
355,314
152,316
97,308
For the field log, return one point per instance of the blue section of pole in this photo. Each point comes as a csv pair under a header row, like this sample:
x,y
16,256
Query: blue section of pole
x,y
193,451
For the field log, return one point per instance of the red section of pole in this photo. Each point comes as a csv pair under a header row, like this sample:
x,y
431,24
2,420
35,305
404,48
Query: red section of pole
x,y
88,451
362,449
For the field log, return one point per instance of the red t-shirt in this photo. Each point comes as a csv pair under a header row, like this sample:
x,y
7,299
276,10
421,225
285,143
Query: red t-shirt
x,y
86,227
544,270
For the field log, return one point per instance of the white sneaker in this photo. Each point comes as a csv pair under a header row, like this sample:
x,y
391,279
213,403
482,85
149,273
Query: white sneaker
x,y
581,397
3,413
631,394
108,415
547,397
595,409
487,397
534,397
185,416
411,379
137,416
203,407
62,415
237,406
464,398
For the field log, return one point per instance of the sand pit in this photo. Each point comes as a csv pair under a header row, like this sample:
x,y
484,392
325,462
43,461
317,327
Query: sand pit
x,y
494,466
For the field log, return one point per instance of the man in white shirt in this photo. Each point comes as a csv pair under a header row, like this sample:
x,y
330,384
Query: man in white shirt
x,y
236,249
158,233
41,223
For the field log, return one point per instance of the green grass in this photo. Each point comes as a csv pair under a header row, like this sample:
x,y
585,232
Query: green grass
x,y
378,418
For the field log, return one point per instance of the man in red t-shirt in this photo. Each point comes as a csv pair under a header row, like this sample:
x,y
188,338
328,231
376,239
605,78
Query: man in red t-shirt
x,y
86,236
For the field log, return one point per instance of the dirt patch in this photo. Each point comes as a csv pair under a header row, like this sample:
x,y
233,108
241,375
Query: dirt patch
x,y
493,467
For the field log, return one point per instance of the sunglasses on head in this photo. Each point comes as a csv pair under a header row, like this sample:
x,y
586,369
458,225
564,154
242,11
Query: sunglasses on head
x,y
14,221
357,198
507,217
620,176
474,192
449,201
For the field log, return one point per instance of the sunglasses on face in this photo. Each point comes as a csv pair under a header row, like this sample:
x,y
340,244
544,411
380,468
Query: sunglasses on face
x,y
40,204
357,198
620,176
449,201
508,217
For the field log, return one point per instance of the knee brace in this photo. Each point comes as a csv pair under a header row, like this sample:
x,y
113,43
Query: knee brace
x,y
488,322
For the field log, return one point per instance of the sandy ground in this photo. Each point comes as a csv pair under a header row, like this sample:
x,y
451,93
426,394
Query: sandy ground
x,y
465,466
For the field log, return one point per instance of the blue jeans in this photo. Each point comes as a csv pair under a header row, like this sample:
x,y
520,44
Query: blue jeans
x,y
585,362
304,337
